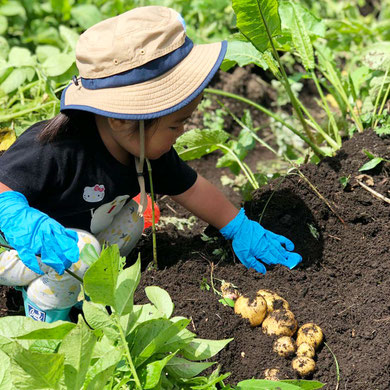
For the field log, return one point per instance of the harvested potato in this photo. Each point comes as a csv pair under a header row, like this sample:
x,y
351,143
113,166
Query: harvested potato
x,y
304,366
274,301
280,323
284,346
228,291
310,333
306,350
272,374
252,309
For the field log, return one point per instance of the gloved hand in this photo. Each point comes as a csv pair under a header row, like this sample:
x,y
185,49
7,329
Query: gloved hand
x,y
32,232
251,242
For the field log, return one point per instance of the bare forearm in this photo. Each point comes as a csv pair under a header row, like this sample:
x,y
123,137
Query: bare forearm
x,y
208,203
4,188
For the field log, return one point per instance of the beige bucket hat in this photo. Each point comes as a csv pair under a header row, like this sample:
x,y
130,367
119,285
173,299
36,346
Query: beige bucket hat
x,y
140,65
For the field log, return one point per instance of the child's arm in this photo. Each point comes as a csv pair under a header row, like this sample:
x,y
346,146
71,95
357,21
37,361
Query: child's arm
x,y
4,188
32,232
251,242
208,203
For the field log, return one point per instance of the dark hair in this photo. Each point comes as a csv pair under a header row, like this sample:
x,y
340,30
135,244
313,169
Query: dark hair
x,y
71,122
63,124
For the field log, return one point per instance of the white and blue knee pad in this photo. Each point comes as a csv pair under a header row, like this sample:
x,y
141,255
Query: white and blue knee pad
x,y
36,313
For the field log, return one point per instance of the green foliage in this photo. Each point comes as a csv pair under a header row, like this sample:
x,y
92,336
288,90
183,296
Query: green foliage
x,y
345,95
128,346
373,161
244,53
38,40
344,181
197,143
262,384
256,18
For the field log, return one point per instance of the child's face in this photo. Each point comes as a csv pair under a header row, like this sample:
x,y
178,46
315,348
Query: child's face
x,y
122,139
161,136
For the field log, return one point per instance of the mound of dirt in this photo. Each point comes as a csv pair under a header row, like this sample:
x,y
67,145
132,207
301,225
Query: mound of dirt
x,y
342,284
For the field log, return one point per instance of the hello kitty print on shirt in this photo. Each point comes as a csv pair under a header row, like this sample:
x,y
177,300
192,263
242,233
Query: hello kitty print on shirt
x,y
94,194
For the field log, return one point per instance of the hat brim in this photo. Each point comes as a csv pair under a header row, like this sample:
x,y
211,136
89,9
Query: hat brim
x,y
153,98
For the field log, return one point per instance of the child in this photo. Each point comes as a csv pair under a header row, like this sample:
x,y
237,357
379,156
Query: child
x,y
70,180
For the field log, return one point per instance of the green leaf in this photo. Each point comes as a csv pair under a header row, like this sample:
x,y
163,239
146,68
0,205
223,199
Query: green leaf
x,y
344,180
45,346
246,140
196,143
43,52
96,315
128,281
13,8
371,164
102,370
304,384
378,85
272,63
301,38
142,313
263,384
178,341
20,56
252,18
5,375
57,331
237,151
65,77
377,56
69,36
150,336
3,24
4,48
86,15
368,154
383,130
27,328
77,347
101,278
89,254
57,64
152,372
32,370
314,25
201,349
46,35
226,302
359,76
61,7
182,368
14,80
161,299
243,53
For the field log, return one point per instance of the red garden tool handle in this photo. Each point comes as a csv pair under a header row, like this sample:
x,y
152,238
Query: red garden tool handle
x,y
148,215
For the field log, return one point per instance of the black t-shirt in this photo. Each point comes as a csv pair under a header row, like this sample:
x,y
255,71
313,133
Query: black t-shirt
x,y
75,178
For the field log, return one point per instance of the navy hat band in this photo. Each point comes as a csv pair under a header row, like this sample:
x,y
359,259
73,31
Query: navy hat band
x,y
143,73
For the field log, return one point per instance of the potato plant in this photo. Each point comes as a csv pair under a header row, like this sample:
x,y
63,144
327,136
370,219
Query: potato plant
x,y
127,347
116,344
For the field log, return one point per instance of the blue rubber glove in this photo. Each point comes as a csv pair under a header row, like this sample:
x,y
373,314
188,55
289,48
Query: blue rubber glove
x,y
32,232
251,242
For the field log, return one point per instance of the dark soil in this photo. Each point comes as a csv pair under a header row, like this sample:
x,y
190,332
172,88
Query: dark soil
x,y
343,283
